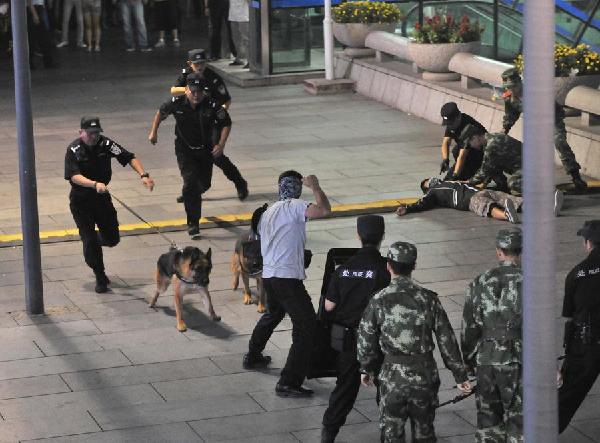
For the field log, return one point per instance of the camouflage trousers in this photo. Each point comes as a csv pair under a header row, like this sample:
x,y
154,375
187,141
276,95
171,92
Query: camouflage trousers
x,y
564,150
401,401
481,203
515,183
499,404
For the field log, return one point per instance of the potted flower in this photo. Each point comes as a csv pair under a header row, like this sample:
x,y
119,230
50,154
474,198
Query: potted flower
x,y
573,66
354,20
440,37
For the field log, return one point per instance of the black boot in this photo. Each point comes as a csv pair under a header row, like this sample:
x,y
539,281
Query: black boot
x,y
242,190
328,435
580,184
252,361
102,282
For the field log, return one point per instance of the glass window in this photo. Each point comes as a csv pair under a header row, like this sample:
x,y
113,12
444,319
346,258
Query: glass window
x,y
592,37
566,25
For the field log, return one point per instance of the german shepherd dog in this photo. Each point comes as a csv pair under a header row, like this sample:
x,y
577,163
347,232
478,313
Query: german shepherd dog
x,y
188,270
247,262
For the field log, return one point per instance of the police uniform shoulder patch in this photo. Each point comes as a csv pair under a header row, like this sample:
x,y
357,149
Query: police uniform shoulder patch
x,y
75,148
184,71
357,273
115,149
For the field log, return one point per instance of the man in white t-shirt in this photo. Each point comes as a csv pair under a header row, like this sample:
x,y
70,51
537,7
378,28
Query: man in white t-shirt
x,y
282,230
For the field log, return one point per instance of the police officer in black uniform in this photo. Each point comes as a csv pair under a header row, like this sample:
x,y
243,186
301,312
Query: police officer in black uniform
x,y
201,131
197,64
581,307
87,167
350,289
467,161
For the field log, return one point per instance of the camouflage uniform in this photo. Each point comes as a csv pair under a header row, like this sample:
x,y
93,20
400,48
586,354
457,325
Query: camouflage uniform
x,y
395,347
502,154
513,107
491,341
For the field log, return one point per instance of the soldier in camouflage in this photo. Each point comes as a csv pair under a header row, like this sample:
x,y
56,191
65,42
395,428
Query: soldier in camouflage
x,y
513,107
395,347
491,342
501,155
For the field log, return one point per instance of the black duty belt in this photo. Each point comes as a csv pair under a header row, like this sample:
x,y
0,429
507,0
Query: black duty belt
x,y
407,358
501,334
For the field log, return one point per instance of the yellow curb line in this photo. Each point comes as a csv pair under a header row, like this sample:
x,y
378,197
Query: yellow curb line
x,y
232,219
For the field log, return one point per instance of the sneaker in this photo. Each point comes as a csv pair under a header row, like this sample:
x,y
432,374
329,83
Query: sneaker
x,y
176,43
160,44
510,211
89,48
193,230
578,182
179,199
236,63
62,44
81,45
559,199
246,66
97,47
130,49
252,361
146,49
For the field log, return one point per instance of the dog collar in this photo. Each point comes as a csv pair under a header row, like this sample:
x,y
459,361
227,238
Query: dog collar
x,y
183,279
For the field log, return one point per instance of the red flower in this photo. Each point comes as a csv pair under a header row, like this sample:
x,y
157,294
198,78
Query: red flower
x,y
428,21
449,20
464,19
437,19
418,26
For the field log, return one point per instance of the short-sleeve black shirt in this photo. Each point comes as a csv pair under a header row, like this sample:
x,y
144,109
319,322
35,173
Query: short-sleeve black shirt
x,y
354,283
196,127
465,120
218,90
582,292
93,162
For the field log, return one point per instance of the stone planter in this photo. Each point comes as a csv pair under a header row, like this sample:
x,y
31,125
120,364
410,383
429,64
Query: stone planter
x,y
562,85
353,35
434,57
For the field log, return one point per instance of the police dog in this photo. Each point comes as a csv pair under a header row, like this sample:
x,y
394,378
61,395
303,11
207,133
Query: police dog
x,y
247,262
188,270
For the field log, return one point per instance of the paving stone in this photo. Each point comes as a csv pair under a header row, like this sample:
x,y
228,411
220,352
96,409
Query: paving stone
x,y
32,386
57,424
266,423
70,345
273,438
231,406
174,432
41,406
56,365
49,331
139,374
20,349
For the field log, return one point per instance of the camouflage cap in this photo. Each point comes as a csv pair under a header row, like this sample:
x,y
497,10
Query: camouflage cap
x,y
511,77
509,239
402,252
466,134
590,230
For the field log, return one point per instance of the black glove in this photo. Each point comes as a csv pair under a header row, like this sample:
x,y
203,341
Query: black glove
x,y
445,165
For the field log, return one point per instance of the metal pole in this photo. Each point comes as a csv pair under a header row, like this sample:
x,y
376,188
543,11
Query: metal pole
x,y
421,17
328,41
495,30
34,295
539,301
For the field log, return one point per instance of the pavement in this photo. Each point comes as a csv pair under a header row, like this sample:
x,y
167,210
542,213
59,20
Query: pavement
x,y
106,368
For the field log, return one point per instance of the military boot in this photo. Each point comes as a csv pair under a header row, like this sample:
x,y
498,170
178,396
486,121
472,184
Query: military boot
x,y
580,184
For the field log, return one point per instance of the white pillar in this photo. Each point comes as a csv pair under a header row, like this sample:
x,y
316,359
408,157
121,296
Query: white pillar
x,y
539,301
328,40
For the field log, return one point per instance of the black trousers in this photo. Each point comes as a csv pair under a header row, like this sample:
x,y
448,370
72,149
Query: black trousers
x,y
219,13
344,394
580,371
195,166
40,37
230,171
89,213
288,296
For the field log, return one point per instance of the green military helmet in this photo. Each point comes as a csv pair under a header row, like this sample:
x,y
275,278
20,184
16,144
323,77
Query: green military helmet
x,y
402,252
511,77
510,239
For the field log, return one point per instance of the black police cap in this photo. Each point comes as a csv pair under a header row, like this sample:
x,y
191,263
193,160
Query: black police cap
x,y
90,123
590,231
197,55
450,114
370,225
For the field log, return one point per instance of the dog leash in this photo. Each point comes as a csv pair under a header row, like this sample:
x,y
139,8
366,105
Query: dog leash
x,y
126,206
